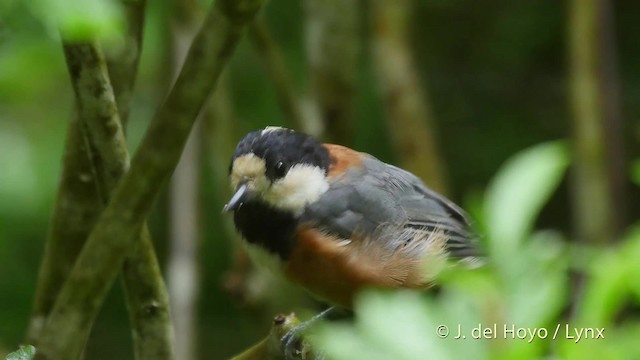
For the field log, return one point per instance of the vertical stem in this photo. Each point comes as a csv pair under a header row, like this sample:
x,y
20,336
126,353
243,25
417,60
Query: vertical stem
x,y
593,207
333,46
182,270
613,132
409,115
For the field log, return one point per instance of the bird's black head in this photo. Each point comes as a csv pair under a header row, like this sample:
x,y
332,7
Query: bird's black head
x,y
281,167
281,149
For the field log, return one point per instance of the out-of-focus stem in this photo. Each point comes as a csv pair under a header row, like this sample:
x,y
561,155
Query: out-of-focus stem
x,y
409,115
183,277
76,209
146,294
332,47
592,202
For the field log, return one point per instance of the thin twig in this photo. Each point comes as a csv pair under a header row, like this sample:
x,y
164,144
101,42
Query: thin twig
x,y
270,348
117,228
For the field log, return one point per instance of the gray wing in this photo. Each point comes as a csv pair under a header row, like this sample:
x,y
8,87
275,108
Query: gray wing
x,y
379,199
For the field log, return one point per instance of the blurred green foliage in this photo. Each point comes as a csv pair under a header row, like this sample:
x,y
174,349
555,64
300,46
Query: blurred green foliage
x,y
74,19
513,307
24,353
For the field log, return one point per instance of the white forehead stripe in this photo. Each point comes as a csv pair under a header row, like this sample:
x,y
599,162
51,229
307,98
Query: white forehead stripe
x,y
269,129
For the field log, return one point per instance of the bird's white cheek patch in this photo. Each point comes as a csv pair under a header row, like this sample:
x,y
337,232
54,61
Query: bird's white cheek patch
x,y
302,185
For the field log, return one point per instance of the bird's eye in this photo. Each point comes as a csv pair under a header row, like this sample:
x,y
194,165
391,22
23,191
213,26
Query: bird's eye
x,y
281,169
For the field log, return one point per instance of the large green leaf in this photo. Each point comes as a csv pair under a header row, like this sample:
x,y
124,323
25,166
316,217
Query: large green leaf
x,y
516,195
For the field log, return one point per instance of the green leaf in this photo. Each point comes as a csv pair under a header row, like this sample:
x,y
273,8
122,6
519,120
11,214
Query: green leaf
x,y
80,19
516,195
24,353
398,325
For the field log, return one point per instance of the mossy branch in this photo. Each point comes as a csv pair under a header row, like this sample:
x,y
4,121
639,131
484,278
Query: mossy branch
x,y
117,229
270,348
76,209
147,302
98,112
145,291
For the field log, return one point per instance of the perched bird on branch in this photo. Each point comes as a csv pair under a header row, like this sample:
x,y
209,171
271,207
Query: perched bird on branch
x,y
335,220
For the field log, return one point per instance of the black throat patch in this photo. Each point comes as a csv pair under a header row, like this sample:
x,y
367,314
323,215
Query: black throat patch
x,y
270,228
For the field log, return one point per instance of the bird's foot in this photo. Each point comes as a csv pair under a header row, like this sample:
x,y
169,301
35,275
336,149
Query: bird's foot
x,y
293,345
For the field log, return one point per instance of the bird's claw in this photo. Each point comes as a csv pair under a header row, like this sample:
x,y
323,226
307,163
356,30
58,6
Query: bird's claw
x,y
293,345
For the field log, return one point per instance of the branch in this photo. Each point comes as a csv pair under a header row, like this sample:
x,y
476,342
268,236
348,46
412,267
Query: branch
x,y
145,292
116,231
270,348
332,47
123,64
143,282
76,209
147,302
275,65
408,113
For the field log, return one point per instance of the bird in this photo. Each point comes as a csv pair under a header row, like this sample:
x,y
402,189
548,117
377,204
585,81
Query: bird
x,y
335,220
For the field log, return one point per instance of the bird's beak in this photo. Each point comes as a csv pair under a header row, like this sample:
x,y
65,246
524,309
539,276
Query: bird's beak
x,y
241,195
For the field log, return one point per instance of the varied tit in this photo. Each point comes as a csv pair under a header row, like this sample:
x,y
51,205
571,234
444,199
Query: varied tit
x,y
335,220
